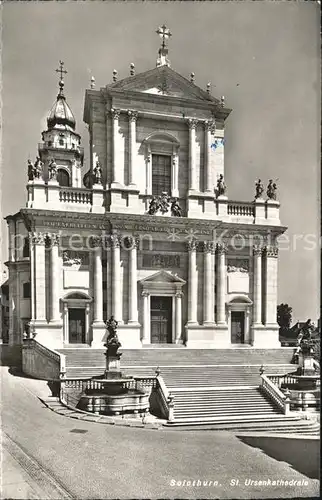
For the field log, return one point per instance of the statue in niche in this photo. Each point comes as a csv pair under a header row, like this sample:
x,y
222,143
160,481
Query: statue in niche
x,y
175,208
97,171
259,189
271,190
52,170
221,186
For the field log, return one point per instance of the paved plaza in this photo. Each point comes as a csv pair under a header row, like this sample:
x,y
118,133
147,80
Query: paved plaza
x,y
49,456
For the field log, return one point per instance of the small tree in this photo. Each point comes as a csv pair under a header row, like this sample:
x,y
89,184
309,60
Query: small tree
x,y
284,316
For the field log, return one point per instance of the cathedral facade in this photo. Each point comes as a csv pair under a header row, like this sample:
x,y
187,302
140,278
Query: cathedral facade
x,y
148,234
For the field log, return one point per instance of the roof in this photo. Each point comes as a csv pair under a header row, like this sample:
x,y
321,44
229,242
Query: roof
x,y
61,115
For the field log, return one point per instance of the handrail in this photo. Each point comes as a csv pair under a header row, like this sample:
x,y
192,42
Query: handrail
x,y
275,393
75,195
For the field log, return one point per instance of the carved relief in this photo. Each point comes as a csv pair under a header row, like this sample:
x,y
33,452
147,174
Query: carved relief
x,y
209,246
192,123
210,126
257,250
133,115
115,113
68,260
271,251
115,240
192,245
96,241
221,248
38,238
160,261
238,265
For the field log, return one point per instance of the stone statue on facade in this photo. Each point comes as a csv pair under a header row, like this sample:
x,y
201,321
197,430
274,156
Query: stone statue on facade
x,y
38,168
153,207
97,171
221,186
175,208
27,330
259,189
271,190
52,170
31,168
164,204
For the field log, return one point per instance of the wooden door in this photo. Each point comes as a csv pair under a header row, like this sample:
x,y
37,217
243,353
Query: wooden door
x,y
76,323
237,327
161,320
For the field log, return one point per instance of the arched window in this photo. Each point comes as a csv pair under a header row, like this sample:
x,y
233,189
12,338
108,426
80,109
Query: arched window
x,y
63,177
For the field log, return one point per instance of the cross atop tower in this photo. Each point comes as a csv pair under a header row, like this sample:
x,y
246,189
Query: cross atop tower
x,y
62,71
164,33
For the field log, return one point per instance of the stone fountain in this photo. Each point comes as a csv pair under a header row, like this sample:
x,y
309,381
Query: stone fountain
x,y
113,395
305,393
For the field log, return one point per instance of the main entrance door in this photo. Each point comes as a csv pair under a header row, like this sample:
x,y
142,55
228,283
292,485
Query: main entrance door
x,y
237,327
76,320
161,320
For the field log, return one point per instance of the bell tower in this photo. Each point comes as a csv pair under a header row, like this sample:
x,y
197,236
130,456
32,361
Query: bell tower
x,y
61,143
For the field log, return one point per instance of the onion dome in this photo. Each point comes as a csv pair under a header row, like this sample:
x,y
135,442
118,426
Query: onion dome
x,y
60,115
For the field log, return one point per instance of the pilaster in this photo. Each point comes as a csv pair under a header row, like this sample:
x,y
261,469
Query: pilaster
x,y
208,283
133,115
116,278
117,181
210,127
178,317
98,326
55,279
192,283
221,255
192,124
133,300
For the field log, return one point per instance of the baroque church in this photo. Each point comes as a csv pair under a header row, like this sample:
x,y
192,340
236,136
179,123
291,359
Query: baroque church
x,y
146,232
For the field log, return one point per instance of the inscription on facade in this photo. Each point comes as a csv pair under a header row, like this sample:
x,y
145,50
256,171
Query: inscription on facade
x,y
160,261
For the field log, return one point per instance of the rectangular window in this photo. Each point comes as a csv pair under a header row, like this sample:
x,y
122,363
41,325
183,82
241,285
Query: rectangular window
x,y
27,290
161,174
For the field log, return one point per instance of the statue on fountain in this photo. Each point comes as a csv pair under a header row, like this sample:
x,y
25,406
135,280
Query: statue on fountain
x,y
112,341
305,345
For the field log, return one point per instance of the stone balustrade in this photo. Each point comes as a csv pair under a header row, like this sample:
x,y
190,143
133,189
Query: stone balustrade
x,y
274,393
72,195
195,206
241,209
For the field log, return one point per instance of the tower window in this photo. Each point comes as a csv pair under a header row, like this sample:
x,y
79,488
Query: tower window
x,y
161,174
27,290
50,143
25,250
61,142
63,177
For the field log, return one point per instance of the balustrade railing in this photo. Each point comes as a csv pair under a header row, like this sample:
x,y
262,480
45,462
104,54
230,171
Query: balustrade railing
x,y
241,209
71,195
282,400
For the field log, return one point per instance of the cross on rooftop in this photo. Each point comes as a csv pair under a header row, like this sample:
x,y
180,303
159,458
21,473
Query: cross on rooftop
x,y
164,33
61,69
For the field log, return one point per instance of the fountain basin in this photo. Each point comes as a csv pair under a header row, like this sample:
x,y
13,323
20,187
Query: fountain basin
x,y
129,401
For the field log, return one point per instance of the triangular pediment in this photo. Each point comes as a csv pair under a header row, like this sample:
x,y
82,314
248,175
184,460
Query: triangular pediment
x,y
163,81
162,277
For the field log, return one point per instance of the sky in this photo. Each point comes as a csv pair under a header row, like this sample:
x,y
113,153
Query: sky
x,y
264,57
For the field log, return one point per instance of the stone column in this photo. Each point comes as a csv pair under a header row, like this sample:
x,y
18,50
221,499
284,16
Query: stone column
x,y
32,277
55,278
175,173
133,298
40,277
98,279
208,305
148,166
193,283
65,323
210,128
178,320
257,286
116,168
221,316
133,115
146,317
116,278
192,155
271,258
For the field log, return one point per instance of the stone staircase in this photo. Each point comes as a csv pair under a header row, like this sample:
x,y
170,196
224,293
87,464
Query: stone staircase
x,y
212,388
